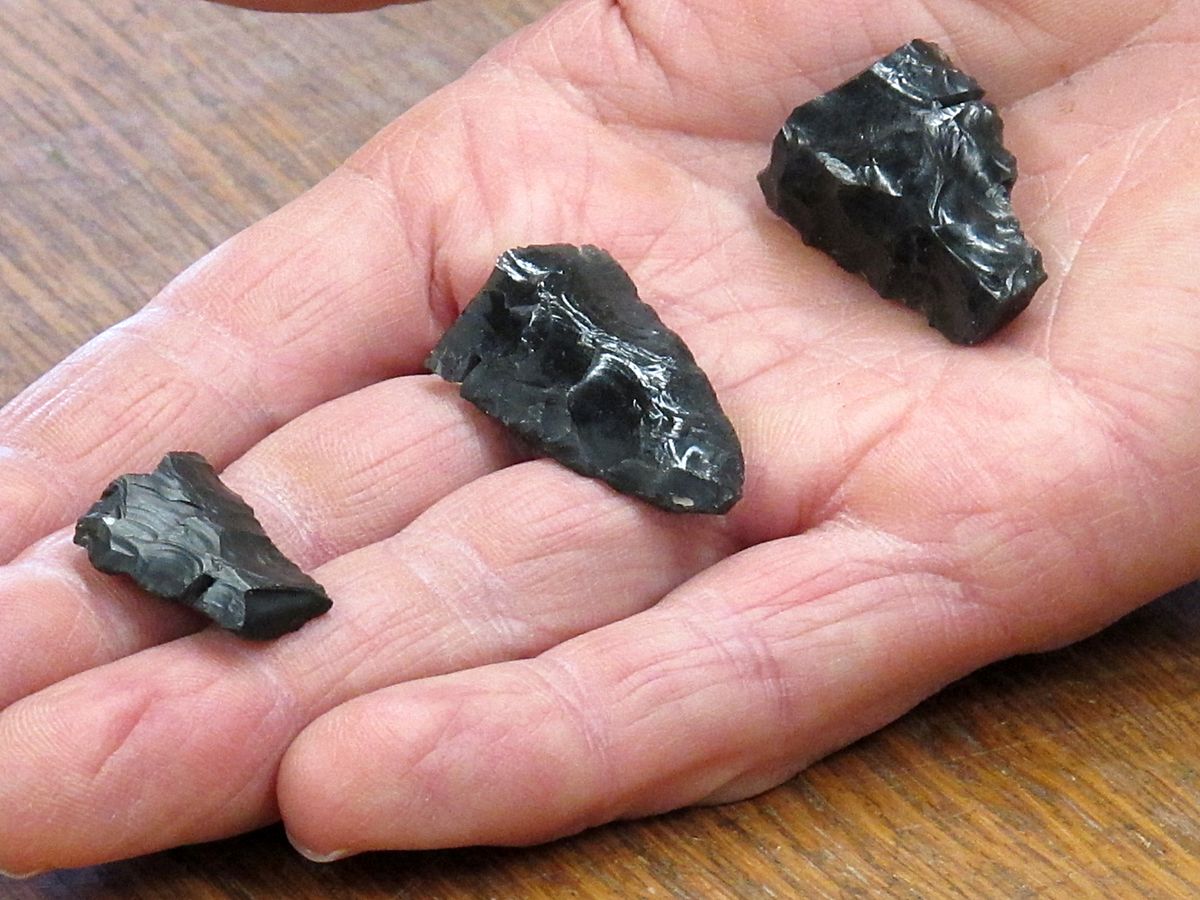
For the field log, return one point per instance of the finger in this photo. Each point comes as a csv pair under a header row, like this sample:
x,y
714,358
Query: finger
x,y
344,475
769,660
737,680
138,755
329,294
359,469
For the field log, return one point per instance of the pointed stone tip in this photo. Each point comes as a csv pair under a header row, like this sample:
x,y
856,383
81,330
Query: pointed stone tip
x,y
568,356
923,72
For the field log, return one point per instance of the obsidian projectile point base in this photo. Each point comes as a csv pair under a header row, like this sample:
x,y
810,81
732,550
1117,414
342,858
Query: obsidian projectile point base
x,y
901,174
559,347
183,535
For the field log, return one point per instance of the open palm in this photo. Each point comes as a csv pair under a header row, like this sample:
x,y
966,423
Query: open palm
x,y
517,652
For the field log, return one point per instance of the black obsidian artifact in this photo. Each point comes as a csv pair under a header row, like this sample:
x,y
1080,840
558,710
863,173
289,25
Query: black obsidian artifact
x,y
559,347
901,174
183,535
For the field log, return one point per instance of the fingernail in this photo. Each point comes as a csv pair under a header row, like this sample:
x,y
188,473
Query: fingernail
x,y
313,856
21,876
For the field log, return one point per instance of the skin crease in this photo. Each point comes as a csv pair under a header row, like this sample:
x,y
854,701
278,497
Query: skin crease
x,y
517,653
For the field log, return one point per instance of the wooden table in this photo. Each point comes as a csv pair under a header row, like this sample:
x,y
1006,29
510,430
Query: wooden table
x,y
137,134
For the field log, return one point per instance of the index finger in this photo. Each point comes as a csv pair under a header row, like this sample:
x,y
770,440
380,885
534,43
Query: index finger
x,y
327,295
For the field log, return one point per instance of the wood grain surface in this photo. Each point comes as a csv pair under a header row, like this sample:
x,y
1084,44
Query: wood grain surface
x,y
137,134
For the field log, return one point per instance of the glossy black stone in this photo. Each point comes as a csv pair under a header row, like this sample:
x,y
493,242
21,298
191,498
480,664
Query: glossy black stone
x,y
559,347
901,174
183,535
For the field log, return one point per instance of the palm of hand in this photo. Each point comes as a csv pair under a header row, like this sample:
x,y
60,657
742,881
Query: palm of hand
x,y
913,509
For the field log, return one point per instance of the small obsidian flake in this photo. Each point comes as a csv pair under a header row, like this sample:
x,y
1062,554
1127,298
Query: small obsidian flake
x,y
901,175
559,347
183,535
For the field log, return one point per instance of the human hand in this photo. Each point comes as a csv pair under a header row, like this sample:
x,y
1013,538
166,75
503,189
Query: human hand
x,y
517,652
